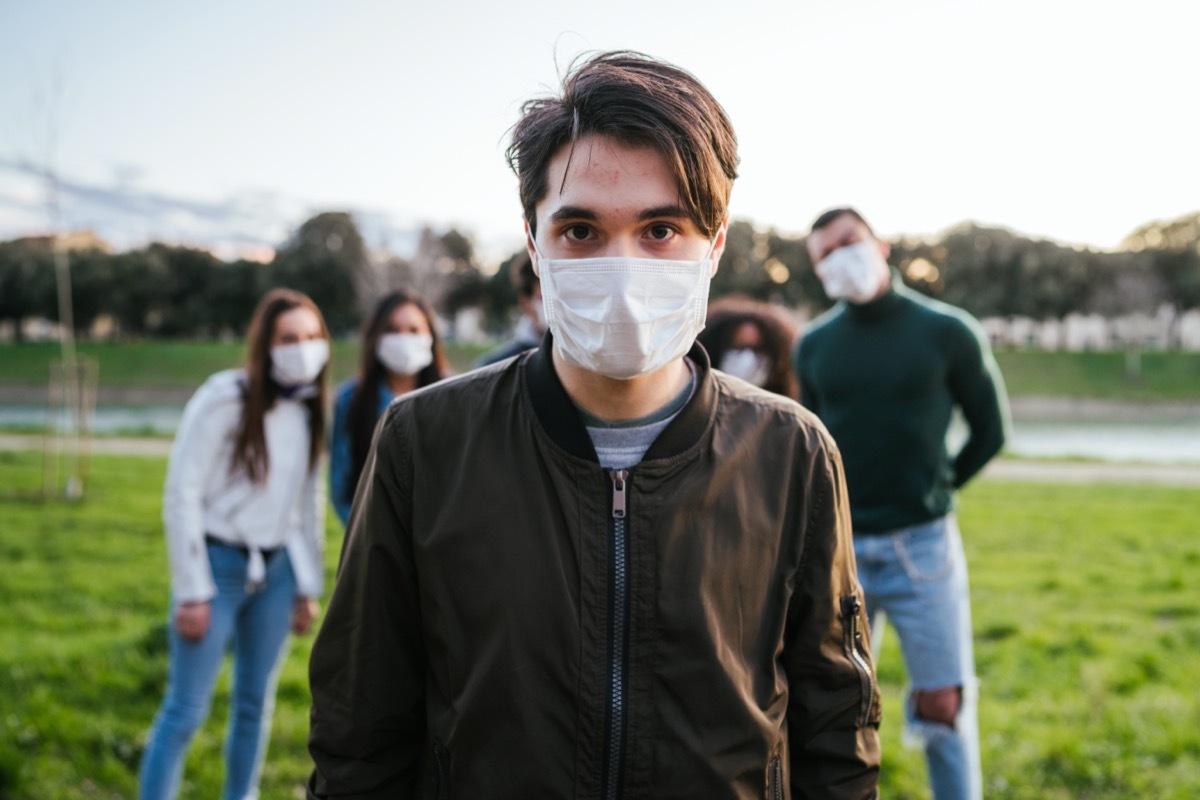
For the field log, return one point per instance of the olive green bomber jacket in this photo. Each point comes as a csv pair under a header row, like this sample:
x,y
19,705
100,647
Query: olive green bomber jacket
x,y
510,620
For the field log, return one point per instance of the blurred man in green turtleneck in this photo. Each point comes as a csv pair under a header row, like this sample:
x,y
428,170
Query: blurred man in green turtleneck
x,y
884,369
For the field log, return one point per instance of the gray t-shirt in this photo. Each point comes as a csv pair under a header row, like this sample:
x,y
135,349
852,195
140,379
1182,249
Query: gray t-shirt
x,y
621,445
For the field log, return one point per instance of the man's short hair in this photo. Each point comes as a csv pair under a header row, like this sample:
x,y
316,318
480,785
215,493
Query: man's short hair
x,y
639,101
829,216
521,273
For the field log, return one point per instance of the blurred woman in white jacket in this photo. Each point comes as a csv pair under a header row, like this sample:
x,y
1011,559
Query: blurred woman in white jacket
x,y
244,511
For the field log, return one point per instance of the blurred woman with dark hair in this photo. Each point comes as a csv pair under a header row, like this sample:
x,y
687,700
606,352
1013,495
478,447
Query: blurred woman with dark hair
x,y
400,351
752,341
243,512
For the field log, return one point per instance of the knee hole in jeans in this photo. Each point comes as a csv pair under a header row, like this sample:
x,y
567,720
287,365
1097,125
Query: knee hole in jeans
x,y
940,706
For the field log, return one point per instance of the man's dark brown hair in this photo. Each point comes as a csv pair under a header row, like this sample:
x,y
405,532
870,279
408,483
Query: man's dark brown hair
x,y
639,101
829,216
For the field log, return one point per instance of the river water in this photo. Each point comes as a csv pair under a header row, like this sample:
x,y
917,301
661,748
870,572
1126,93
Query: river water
x,y
1175,439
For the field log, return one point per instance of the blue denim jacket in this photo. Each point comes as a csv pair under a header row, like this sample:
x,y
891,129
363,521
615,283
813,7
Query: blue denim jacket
x,y
340,460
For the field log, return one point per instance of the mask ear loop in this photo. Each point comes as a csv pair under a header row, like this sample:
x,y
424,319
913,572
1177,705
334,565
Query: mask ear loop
x,y
545,281
538,252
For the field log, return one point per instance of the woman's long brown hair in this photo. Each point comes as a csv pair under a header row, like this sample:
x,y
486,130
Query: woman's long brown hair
x,y
261,391
363,411
727,314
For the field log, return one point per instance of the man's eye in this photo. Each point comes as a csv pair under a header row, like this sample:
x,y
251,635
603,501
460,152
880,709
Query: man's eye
x,y
577,232
661,232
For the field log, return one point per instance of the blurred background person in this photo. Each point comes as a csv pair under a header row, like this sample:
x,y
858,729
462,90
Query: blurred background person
x,y
243,514
752,341
400,351
532,324
885,369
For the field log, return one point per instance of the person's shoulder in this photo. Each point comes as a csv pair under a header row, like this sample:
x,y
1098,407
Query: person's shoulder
x,y
503,351
220,397
823,326
950,320
226,386
345,390
770,408
456,391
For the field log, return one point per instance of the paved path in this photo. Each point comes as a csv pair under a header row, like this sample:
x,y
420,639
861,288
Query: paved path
x,y
1003,469
1037,471
101,445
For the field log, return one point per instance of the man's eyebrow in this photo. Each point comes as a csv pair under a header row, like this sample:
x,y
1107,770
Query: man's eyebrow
x,y
672,211
573,212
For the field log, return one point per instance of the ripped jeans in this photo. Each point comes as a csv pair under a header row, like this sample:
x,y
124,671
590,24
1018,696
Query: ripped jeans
x,y
917,578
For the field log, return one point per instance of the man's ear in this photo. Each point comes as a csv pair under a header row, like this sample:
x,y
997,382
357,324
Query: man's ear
x,y
885,248
719,245
533,259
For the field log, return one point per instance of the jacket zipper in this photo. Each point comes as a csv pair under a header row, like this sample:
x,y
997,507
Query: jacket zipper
x,y
776,788
618,635
852,642
442,758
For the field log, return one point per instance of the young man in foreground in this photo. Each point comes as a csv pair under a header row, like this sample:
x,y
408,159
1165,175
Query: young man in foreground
x,y
601,569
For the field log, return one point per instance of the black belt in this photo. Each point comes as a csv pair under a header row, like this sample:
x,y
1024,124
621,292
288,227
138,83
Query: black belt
x,y
267,552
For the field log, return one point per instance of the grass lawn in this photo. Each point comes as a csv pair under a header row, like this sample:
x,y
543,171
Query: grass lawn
x,y
1086,615
1156,376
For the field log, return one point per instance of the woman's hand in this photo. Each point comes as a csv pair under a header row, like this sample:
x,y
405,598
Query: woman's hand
x,y
304,612
192,619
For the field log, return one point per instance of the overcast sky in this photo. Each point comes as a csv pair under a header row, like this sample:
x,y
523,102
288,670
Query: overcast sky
x,y
226,124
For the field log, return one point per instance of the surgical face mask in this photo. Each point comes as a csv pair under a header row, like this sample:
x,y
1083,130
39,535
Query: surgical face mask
x,y
854,272
746,364
405,353
299,363
624,317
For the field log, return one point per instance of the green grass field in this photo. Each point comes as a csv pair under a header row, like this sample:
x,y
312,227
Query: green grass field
x,y
1164,376
1086,615
170,364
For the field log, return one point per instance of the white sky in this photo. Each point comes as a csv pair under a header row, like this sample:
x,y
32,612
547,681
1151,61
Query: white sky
x,y
232,121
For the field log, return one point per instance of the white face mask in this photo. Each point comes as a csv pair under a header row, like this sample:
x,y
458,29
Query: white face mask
x,y
854,272
624,317
746,364
405,353
299,363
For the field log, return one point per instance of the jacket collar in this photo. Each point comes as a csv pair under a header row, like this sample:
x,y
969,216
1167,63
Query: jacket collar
x,y
561,419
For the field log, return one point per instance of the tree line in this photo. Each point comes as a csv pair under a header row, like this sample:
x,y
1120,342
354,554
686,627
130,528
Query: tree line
x,y
172,291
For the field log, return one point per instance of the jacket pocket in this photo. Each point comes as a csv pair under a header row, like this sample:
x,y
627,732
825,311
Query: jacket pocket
x,y
775,779
852,643
441,759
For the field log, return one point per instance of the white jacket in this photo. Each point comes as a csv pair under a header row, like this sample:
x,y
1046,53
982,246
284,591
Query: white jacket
x,y
203,497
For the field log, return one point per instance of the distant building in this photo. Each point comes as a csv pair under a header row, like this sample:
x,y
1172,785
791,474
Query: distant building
x,y
1188,330
1163,330
1085,332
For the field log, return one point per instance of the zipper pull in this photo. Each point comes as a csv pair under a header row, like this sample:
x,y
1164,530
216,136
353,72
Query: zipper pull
x,y
619,479
850,608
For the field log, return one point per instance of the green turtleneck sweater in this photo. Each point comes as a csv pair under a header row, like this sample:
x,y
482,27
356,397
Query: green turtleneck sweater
x,y
884,377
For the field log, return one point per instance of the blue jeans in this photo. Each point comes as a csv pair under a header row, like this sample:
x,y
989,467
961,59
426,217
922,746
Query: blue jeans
x,y
917,578
256,625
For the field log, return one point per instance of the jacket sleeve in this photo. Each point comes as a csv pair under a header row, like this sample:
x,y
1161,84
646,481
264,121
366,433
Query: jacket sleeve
x,y
978,390
833,703
306,548
203,431
367,671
